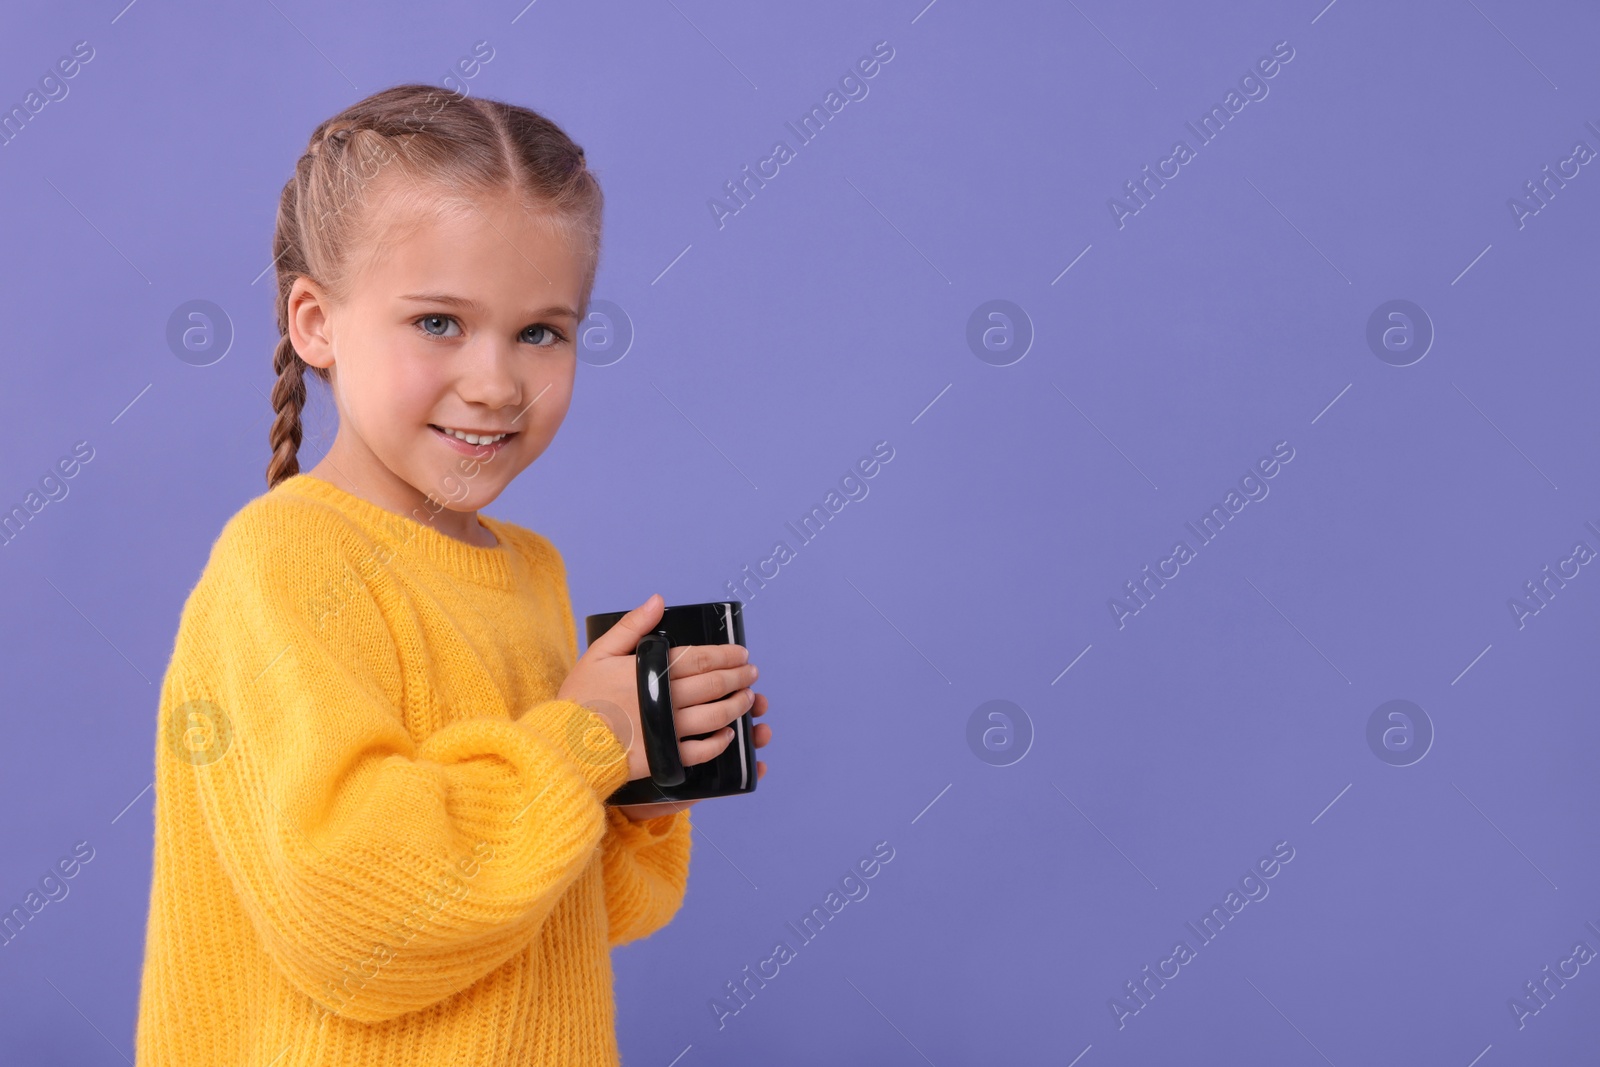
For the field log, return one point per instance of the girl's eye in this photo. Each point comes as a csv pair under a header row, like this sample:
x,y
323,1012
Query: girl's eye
x,y
427,322
554,336
539,335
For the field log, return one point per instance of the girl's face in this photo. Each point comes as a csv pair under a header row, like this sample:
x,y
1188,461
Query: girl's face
x,y
465,323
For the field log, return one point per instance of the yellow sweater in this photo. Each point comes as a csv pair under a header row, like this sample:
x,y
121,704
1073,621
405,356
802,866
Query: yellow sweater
x,y
379,839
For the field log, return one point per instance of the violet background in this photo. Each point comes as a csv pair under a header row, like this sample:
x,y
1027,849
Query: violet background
x,y
831,313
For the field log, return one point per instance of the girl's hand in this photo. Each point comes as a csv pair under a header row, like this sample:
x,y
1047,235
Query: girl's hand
x,y
708,686
762,734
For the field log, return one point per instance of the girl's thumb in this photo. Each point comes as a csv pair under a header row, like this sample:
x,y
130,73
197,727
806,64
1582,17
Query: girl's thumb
x,y
623,637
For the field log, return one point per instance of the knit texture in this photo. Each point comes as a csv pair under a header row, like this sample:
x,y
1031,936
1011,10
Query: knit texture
x,y
380,839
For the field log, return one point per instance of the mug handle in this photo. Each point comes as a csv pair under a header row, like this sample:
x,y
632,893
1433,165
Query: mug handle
x,y
656,720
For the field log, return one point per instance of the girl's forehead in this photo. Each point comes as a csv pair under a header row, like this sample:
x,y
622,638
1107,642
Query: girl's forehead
x,y
432,211
461,234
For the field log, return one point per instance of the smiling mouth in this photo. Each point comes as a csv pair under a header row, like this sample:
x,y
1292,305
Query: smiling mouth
x,y
479,440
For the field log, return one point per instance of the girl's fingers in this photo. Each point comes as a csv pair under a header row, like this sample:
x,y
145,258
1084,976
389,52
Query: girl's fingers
x,y
760,706
761,768
703,718
707,686
705,748
688,660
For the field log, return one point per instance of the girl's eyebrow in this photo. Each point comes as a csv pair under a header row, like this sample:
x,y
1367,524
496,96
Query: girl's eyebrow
x,y
554,311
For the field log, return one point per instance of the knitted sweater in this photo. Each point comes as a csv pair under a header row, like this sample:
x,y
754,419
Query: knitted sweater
x,y
379,838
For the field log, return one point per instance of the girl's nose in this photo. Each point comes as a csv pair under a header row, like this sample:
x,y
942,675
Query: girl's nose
x,y
488,376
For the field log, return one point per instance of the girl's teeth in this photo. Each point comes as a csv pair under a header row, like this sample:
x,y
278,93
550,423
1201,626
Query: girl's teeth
x,y
474,439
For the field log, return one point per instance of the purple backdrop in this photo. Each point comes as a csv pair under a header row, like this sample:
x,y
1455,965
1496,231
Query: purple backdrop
x,y
1077,341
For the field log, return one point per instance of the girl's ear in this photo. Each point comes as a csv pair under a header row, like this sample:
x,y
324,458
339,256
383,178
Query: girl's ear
x,y
309,328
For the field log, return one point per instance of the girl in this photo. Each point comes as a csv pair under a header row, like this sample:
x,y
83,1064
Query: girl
x,y
381,830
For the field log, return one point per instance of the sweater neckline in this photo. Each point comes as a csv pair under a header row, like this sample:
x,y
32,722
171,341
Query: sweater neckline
x,y
488,566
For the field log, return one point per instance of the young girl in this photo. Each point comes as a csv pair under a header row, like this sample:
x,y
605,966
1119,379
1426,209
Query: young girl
x,y
381,830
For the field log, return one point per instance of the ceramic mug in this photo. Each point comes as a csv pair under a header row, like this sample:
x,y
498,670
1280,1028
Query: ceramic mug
x,y
733,770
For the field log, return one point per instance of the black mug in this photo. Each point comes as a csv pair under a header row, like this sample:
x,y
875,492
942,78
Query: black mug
x,y
733,770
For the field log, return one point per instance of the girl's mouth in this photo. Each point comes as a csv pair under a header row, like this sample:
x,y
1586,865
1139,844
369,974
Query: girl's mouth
x,y
484,448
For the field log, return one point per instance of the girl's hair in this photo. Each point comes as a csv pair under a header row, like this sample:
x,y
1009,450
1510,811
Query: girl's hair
x,y
437,149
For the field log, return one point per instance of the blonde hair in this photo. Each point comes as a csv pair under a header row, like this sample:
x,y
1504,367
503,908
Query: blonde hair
x,y
447,147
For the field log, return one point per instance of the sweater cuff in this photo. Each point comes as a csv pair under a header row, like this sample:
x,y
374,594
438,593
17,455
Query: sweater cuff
x,y
645,831
584,738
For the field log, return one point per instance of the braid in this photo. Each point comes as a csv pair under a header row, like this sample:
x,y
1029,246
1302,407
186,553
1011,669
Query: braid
x,y
288,398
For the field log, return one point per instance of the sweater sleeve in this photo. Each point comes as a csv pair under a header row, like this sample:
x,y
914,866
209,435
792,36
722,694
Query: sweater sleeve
x,y
381,875
646,865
